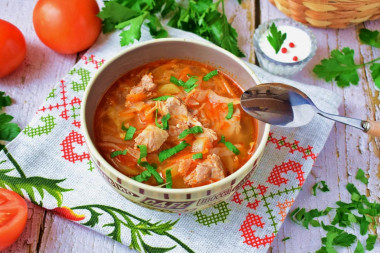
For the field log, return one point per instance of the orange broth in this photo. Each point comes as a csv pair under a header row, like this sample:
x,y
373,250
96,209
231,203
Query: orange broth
x,y
120,107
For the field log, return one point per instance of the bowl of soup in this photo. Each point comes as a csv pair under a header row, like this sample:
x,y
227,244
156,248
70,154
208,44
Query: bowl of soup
x,y
163,123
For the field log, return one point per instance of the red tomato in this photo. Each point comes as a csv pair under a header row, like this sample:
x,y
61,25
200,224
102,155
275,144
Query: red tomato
x,y
12,47
13,215
67,26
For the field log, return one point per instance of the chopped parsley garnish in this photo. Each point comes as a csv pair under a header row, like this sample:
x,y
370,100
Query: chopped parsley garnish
x,y
165,154
193,130
169,179
230,146
130,131
162,98
152,170
230,110
143,176
164,120
143,152
370,242
210,74
285,239
189,85
321,186
360,175
276,38
4,100
118,152
197,156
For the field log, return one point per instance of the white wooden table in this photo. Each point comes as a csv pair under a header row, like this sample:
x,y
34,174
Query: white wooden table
x,y
346,150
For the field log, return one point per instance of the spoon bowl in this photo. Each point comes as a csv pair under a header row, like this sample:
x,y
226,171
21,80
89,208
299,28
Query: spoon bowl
x,y
284,105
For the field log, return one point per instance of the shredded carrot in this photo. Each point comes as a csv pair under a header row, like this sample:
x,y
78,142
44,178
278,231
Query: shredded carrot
x,y
136,97
183,75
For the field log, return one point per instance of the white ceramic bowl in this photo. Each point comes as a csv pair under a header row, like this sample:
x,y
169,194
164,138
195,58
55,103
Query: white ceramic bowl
x,y
163,199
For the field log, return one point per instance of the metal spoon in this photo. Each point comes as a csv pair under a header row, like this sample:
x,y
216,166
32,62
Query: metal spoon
x,y
283,105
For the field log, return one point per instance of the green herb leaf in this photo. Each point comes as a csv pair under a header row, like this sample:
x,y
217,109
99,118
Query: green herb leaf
x,y
210,74
276,38
370,242
155,27
344,239
152,169
375,73
169,179
4,100
143,152
359,248
143,176
369,37
133,32
189,85
360,175
165,154
162,98
118,152
197,156
164,120
129,132
321,186
285,239
230,110
339,67
193,130
230,146
8,131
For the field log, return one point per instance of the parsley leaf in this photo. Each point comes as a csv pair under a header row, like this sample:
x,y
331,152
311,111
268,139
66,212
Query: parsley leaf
x,y
8,130
4,100
359,248
193,130
369,37
321,186
134,32
370,242
165,154
360,175
375,73
276,38
339,67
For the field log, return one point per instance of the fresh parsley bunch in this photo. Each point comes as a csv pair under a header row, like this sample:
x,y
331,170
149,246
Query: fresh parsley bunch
x,y
341,66
8,130
200,17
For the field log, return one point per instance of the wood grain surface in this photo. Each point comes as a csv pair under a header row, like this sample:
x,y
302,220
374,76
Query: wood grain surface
x,y
346,150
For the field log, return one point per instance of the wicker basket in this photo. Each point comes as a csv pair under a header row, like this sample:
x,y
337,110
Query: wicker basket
x,y
330,13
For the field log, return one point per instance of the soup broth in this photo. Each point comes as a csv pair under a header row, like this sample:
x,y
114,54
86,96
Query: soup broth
x,y
175,123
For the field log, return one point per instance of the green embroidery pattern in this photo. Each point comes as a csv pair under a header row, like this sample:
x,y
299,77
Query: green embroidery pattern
x,y
214,218
85,78
40,130
51,94
143,227
28,184
91,165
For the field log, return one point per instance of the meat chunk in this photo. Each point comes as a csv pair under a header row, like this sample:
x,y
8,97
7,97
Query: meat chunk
x,y
184,166
176,108
210,169
152,137
145,86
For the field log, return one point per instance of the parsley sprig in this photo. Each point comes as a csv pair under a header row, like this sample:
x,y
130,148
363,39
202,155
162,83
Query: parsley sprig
x,y
8,130
341,67
200,17
276,38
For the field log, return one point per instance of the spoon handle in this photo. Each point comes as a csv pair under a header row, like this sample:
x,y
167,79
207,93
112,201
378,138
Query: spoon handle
x,y
372,127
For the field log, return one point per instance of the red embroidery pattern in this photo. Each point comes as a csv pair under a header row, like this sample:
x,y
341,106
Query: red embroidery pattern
x,y
253,205
68,148
249,233
284,207
276,178
280,143
92,60
237,198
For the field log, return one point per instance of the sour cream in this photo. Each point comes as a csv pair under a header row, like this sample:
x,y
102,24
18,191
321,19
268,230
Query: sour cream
x,y
292,53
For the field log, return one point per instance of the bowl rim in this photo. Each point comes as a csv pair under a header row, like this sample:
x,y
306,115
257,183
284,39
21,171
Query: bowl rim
x,y
103,162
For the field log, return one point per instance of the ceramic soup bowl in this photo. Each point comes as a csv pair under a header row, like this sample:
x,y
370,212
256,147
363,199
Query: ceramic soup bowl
x,y
163,199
